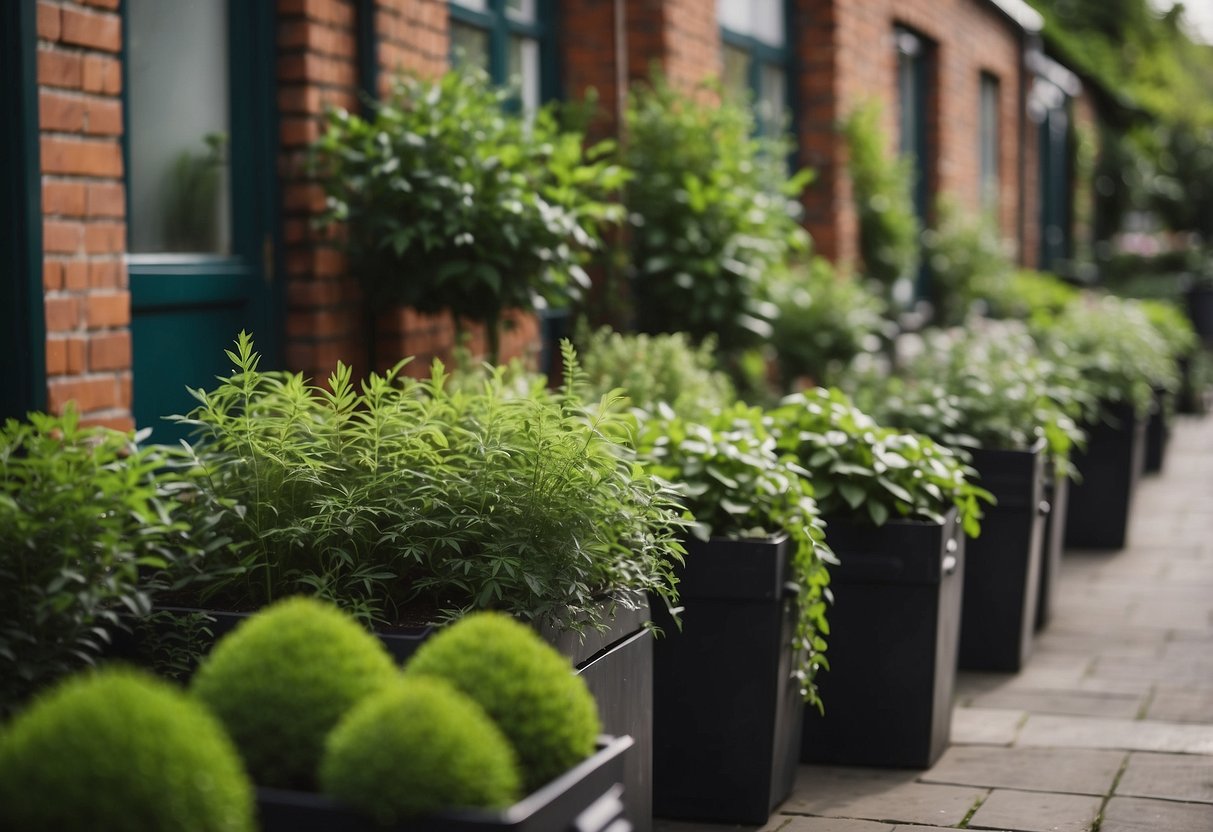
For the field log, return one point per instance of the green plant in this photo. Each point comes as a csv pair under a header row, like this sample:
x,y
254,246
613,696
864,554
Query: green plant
x,y
117,749
737,484
453,202
87,523
415,492
283,678
881,186
656,368
523,684
416,747
825,320
868,473
963,254
1037,297
1173,326
711,208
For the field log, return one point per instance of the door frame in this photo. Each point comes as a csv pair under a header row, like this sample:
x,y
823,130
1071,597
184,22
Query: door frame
x,y
22,297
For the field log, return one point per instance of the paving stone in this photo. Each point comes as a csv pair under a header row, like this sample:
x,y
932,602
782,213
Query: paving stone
x,y
1078,703
1071,770
985,726
878,794
1134,814
1141,735
1036,812
800,823
1168,776
1174,705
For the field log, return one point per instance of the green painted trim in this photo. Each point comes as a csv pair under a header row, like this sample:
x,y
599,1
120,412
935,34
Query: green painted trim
x,y
501,27
22,297
160,290
764,54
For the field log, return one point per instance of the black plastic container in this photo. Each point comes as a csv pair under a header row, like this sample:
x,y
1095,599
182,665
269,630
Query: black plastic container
x,y
1192,399
1110,465
894,636
1057,495
1158,431
586,798
727,709
1002,570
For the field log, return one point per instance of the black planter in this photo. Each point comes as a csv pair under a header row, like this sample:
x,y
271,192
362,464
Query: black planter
x,y
1057,495
1002,569
894,635
587,798
1158,432
1110,465
1200,310
727,709
1191,399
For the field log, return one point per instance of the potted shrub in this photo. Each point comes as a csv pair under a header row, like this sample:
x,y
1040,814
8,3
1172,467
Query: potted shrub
x,y
1120,358
729,682
897,507
987,391
1175,329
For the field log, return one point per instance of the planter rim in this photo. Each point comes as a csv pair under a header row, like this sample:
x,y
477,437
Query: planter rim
x,y
948,517
772,539
1035,448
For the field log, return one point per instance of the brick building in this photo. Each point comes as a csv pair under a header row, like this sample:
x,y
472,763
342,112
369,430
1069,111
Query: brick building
x,y
123,116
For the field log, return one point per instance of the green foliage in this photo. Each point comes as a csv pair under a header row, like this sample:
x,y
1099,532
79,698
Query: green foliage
x,y
985,386
883,194
737,484
1173,326
116,749
711,208
523,684
964,254
416,747
657,368
1114,347
868,473
82,512
825,320
190,210
418,492
1028,296
452,202
283,678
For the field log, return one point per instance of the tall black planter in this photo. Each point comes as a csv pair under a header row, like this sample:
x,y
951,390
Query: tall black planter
x,y
1002,573
1057,495
727,709
894,635
1110,466
1191,399
1158,431
1200,310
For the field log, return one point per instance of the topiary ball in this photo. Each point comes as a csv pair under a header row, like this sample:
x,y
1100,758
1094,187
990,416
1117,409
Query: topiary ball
x,y
283,678
416,747
118,749
524,684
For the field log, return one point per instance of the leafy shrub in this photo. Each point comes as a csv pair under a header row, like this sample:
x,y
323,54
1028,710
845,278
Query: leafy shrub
x,y
82,512
711,209
882,189
963,254
657,368
416,747
1028,296
116,749
283,678
415,492
825,320
523,684
986,386
868,473
737,484
452,202
1172,325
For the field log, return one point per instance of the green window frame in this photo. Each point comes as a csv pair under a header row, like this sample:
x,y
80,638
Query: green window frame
x,y
989,139
756,60
507,28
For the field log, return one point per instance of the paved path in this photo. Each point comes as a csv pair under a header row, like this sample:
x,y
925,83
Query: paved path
x,y
1110,725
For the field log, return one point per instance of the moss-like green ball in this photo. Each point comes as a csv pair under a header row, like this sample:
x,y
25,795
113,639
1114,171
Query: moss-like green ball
x,y
118,749
282,679
415,748
523,683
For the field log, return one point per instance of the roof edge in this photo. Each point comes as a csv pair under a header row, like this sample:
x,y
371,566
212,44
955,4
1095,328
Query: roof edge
x,y
1021,14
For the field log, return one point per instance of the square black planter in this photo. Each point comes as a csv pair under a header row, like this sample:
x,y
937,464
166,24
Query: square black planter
x,y
1158,431
1057,495
727,708
587,798
1100,505
894,636
1002,569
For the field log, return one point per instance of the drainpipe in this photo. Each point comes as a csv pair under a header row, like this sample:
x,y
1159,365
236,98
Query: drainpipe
x,y
621,64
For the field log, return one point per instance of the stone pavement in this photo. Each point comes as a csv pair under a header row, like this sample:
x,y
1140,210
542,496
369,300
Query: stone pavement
x,y
1110,725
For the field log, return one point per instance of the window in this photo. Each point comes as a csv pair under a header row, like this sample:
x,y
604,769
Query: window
x,y
508,39
755,59
913,97
990,183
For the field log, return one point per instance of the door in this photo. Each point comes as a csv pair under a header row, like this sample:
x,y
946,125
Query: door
x,y
200,146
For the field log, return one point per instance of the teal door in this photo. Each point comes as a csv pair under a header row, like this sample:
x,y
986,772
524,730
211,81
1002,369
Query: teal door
x,y
200,194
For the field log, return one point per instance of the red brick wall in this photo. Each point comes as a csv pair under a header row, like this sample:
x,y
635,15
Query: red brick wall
x,y
848,56
88,343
